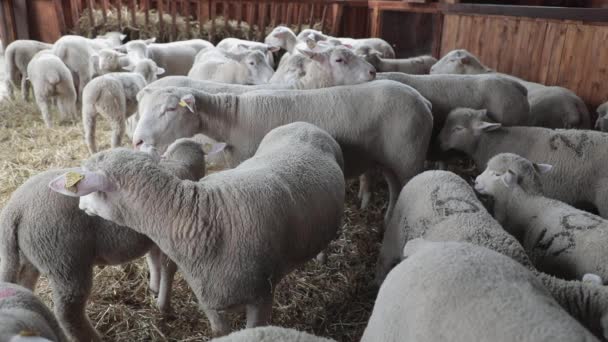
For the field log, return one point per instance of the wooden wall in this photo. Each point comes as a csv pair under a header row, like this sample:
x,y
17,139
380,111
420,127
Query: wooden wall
x,y
564,53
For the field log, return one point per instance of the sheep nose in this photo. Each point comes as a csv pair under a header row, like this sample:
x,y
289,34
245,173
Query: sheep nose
x,y
137,144
372,73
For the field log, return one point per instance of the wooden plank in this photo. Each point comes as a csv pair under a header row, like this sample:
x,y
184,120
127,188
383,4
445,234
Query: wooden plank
x,y
58,12
161,23
507,53
551,56
437,35
311,19
300,11
173,4
476,37
74,13
147,14
528,48
7,34
134,13
560,13
104,11
212,13
274,13
404,6
289,18
239,13
336,19
448,36
324,17
91,17
186,8
572,72
491,56
596,91
463,31
119,13
263,14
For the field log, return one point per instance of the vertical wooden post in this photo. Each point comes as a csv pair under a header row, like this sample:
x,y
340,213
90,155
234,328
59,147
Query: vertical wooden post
x,y
311,20
134,13
60,16
186,9
300,11
74,13
161,23
104,10
375,22
323,17
437,35
173,4
92,18
212,12
147,14
263,16
119,13
336,19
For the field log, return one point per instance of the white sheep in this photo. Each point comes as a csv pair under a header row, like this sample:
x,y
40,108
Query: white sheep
x,y
34,217
24,317
281,37
376,43
602,120
270,334
235,233
461,292
322,67
441,206
110,60
236,45
114,96
249,67
176,58
580,156
552,107
52,81
561,240
17,56
416,65
381,123
78,55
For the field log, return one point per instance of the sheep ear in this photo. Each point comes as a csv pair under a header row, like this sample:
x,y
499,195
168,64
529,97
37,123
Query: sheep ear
x,y
122,37
465,60
374,52
316,56
347,45
160,71
187,101
509,179
211,149
542,168
488,126
81,183
150,41
129,67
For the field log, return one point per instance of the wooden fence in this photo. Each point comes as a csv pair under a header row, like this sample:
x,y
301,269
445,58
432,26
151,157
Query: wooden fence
x,y
567,53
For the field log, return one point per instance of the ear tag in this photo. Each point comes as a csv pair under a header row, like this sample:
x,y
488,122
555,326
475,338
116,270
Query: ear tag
x,y
71,180
183,103
27,333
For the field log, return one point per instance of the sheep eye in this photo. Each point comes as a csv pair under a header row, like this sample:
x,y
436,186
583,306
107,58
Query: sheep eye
x,y
339,60
170,109
251,63
457,129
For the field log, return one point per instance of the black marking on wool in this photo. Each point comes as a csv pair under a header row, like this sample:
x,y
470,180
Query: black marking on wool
x,y
580,221
546,245
578,147
451,205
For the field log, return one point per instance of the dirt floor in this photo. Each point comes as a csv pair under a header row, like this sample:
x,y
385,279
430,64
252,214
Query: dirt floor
x,y
332,300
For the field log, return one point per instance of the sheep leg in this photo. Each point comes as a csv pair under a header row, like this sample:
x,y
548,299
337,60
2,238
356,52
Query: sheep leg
x,y
10,88
25,88
154,264
167,272
602,200
44,109
365,193
70,298
219,323
88,123
259,314
118,130
28,275
66,113
394,187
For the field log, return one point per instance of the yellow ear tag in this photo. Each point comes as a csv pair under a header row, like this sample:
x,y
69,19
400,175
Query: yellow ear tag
x,y
183,103
27,333
71,179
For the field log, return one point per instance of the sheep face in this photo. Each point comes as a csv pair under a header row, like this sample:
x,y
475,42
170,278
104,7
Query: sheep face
x,y
511,169
109,60
277,37
457,62
258,69
164,117
462,129
343,65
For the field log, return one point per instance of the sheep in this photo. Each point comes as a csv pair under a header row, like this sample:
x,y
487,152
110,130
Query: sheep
x,y
236,45
461,292
381,122
78,54
35,215
416,66
505,100
109,60
560,239
376,43
176,58
270,334
281,37
325,67
602,120
250,67
441,206
24,317
579,155
235,233
552,107
113,96
17,56
52,81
